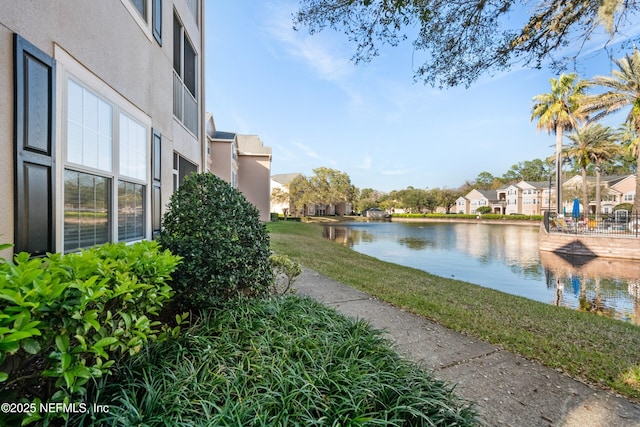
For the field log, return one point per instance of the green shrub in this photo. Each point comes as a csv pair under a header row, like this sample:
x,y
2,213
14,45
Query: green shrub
x,y
224,246
484,210
623,206
65,319
285,272
435,215
472,216
517,217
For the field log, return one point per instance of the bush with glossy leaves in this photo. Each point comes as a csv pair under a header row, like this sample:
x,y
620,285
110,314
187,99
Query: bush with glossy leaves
x,y
224,246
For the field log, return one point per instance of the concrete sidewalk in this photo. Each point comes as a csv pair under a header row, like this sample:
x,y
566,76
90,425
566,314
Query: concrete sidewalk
x,y
509,390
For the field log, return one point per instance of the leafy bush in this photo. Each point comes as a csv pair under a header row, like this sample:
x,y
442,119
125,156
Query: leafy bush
x,y
65,319
471,216
623,206
484,210
285,273
517,217
435,215
224,246
285,361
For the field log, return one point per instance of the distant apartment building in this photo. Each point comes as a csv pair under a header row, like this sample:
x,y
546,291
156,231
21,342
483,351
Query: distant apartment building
x,y
280,183
254,177
243,161
614,190
535,198
222,153
102,118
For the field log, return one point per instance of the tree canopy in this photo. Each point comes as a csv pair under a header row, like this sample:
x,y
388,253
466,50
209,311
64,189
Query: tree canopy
x,y
463,39
326,185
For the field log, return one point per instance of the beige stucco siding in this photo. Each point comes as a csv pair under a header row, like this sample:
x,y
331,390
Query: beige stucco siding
x,y
221,160
6,135
108,41
254,181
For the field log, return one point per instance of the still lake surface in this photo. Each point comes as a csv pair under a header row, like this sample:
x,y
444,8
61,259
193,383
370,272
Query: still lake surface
x,y
501,257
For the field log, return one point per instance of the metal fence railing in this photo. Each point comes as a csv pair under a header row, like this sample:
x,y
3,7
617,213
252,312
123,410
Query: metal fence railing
x,y
185,106
618,224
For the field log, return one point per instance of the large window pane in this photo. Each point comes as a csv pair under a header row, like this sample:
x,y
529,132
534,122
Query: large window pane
x,y
189,67
130,211
133,149
177,46
86,208
89,129
157,20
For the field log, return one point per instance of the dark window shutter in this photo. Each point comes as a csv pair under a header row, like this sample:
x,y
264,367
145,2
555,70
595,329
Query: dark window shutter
x,y
157,20
34,137
156,200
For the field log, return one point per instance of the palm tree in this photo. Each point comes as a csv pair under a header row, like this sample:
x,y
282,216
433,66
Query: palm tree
x,y
593,143
629,138
556,112
624,91
605,149
579,150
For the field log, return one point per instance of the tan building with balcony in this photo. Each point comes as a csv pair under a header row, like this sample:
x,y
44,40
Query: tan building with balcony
x,y
102,118
614,190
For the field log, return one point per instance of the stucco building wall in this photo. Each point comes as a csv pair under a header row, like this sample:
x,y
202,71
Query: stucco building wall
x,y
109,45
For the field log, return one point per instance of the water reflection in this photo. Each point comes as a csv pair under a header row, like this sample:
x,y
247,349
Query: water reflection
x,y
502,257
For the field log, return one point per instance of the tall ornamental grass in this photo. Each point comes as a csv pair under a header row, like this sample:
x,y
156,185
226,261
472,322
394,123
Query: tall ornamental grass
x,y
285,361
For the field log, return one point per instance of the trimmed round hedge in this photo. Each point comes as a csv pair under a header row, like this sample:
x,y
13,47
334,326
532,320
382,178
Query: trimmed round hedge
x,y
224,246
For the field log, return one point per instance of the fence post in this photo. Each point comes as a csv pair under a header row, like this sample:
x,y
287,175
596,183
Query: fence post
x,y
545,220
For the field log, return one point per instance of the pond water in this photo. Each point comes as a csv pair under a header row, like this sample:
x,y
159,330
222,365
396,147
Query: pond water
x,y
501,257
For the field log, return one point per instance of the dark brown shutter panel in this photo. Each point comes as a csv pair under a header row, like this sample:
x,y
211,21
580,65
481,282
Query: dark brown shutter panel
x,y
34,134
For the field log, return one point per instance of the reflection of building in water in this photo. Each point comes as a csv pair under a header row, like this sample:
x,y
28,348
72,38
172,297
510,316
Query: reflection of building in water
x,y
558,294
346,236
516,244
634,291
599,284
337,234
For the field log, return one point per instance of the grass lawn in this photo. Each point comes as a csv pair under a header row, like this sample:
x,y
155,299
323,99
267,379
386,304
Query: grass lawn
x,y
598,350
283,361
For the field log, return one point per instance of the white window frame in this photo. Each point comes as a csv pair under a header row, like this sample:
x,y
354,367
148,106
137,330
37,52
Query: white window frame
x,y
146,27
69,69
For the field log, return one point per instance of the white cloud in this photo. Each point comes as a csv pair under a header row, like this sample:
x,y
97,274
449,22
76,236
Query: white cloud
x,y
307,150
283,153
366,163
315,51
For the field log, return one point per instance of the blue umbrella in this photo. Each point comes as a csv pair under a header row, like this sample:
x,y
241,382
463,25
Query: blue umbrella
x,y
576,208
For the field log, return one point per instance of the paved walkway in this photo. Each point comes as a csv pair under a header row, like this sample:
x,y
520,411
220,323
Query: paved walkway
x,y
509,390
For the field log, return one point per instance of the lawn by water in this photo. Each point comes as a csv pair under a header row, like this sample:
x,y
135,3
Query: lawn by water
x,y
598,350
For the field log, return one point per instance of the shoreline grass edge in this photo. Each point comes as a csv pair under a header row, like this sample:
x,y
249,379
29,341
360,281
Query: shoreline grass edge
x,y
592,349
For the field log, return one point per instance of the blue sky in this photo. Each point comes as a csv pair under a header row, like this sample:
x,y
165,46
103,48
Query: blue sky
x,y
307,101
